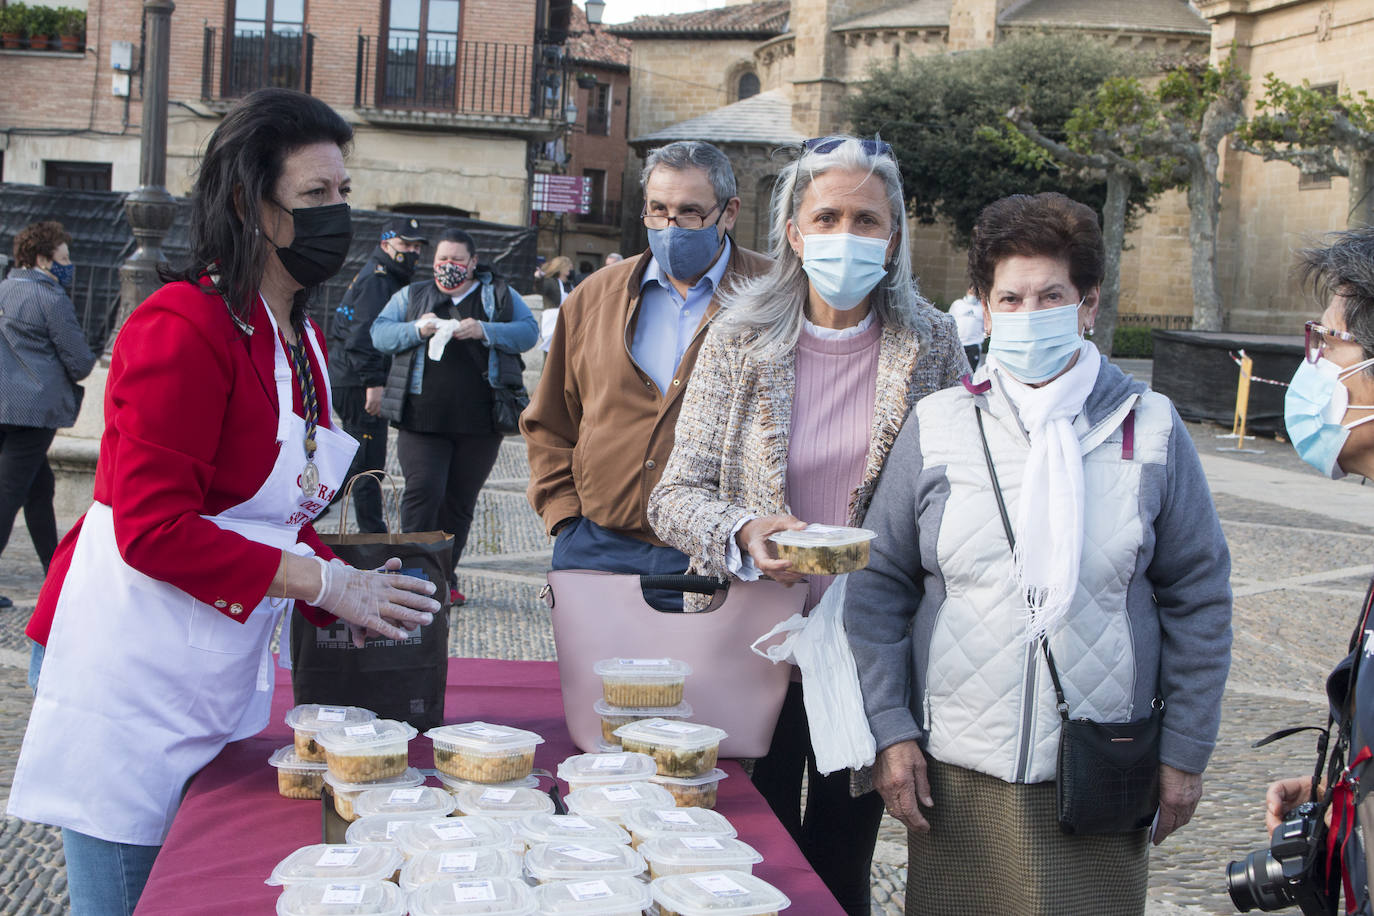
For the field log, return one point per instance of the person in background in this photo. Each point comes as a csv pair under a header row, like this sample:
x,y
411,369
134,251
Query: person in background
x,y
554,289
442,403
44,356
539,261
610,410
613,257
357,370
968,315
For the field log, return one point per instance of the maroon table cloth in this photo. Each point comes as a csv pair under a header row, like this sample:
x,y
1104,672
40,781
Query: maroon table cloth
x,y
233,827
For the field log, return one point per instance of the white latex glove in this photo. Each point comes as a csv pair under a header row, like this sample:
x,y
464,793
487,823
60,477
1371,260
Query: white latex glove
x,y
375,603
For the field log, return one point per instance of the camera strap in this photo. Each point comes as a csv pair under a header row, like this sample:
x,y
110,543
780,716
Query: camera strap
x,y
1343,779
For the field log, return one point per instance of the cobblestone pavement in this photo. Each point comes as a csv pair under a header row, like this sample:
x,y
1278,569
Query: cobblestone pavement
x,y
1298,580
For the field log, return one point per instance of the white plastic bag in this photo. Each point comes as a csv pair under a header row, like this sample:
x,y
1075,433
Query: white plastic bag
x,y
830,681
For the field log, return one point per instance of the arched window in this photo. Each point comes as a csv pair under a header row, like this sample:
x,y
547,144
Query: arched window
x,y
748,85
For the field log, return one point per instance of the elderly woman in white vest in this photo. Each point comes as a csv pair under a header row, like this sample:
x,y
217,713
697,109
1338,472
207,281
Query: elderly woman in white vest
x,y
1119,563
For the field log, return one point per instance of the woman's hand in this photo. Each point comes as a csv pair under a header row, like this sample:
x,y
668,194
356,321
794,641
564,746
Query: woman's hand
x,y
1283,796
375,603
753,540
1179,793
468,329
425,325
899,775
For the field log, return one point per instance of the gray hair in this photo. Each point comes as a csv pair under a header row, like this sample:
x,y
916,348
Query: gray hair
x,y
1346,267
768,310
694,154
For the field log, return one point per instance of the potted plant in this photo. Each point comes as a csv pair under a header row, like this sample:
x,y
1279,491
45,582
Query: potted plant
x,y
12,23
71,28
586,80
42,26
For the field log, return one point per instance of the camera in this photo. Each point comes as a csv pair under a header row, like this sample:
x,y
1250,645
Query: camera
x,y
1291,871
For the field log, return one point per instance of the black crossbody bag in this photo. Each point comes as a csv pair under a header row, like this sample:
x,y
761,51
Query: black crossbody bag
x,y
1107,780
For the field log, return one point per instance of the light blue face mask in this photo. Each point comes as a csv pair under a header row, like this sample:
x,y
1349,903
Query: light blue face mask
x,y
1035,346
844,268
1313,408
684,254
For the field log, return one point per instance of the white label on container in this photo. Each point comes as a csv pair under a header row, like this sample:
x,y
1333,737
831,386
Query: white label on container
x,y
331,714
453,831
674,728
644,662
468,891
582,853
360,731
572,822
674,816
342,893
457,861
610,762
720,886
497,796
405,796
339,856
620,793
393,826
589,890
482,731
702,842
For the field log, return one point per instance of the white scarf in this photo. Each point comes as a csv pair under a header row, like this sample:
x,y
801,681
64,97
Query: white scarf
x,y
1049,514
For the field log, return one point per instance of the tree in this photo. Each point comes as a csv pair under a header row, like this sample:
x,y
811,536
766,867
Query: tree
x,y
1321,133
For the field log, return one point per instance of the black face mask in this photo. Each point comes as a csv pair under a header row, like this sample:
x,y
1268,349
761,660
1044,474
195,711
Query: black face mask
x,y
323,235
407,260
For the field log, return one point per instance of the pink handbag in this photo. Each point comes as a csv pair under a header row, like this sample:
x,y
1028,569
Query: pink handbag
x,y
600,615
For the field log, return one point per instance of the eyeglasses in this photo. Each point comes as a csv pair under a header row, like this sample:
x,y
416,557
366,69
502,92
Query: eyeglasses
x,y
1314,340
823,145
682,220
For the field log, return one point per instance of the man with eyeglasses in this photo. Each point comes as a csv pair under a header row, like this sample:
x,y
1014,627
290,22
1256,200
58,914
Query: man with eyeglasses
x,y
600,425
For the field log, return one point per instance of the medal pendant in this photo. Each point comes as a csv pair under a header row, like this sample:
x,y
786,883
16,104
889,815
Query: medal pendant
x,y
310,480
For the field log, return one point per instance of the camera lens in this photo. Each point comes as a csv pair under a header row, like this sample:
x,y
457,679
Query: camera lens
x,y
1258,883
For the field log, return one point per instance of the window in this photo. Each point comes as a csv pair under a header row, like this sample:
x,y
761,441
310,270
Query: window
x,y
420,63
76,176
1308,182
748,85
599,114
266,46
596,212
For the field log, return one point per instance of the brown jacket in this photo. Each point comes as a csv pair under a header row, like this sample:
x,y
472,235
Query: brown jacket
x,y
597,429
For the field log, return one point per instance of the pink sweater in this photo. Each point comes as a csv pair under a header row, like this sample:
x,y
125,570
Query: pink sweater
x,y
832,421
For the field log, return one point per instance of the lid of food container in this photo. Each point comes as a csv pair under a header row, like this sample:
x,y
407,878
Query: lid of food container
x,y
822,536
683,736
453,783
612,768
682,710
605,747
366,737
327,898
612,896
411,777
378,829
647,668
469,897
496,801
715,775
717,893
573,828
336,862
700,852
444,833
312,717
651,822
484,737
288,758
614,800
404,800
459,865
564,861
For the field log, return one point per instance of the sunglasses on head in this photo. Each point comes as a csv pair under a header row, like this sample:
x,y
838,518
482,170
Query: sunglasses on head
x,y
823,145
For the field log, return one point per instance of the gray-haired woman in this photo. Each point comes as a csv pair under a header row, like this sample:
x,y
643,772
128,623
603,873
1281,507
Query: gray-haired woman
x,y
800,389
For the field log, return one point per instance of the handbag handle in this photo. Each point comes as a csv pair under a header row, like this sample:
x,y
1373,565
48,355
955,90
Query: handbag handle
x,y
381,477
701,585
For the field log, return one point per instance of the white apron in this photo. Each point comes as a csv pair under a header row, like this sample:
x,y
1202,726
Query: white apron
x,y
137,694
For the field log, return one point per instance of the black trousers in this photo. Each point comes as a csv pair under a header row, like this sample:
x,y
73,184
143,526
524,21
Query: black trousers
x,y
838,833
370,432
26,482
443,477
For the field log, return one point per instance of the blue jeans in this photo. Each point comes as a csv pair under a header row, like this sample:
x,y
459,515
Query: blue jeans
x,y
35,665
584,544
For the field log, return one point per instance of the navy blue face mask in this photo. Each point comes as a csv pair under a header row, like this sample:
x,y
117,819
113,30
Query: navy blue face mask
x,y
65,273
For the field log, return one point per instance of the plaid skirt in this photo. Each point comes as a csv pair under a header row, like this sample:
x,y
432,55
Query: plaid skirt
x,y
995,847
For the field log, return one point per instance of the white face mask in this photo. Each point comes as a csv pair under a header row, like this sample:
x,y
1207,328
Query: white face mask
x,y
844,268
1314,406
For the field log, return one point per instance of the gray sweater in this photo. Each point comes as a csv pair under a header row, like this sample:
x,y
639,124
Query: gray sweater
x,y
43,352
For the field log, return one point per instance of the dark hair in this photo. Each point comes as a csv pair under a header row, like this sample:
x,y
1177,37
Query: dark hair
x,y
1048,225
39,240
242,163
459,236
1346,267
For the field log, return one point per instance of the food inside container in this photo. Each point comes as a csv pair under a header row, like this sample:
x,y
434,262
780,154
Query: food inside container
x,y
453,783
717,893
341,898
297,778
681,749
310,719
473,896
571,828
345,793
584,770
367,752
824,550
612,717
337,862
650,823
611,802
681,855
547,862
618,896
693,791
498,802
459,865
642,681
482,752
443,834
410,800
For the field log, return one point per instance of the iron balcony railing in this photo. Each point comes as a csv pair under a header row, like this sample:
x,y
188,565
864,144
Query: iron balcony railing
x,y
254,59
462,77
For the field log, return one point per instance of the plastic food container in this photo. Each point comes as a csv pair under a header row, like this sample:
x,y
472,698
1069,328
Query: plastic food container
x,y
338,863
367,752
453,784
681,749
459,865
569,828
380,829
412,800
651,823
498,802
612,717
482,752
444,834
297,778
653,682
585,770
681,855
469,897
824,550
717,893
694,791
337,898
611,802
345,793
581,862
310,719
600,896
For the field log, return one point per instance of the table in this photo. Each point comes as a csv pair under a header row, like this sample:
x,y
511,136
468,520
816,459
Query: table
x,y
233,827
